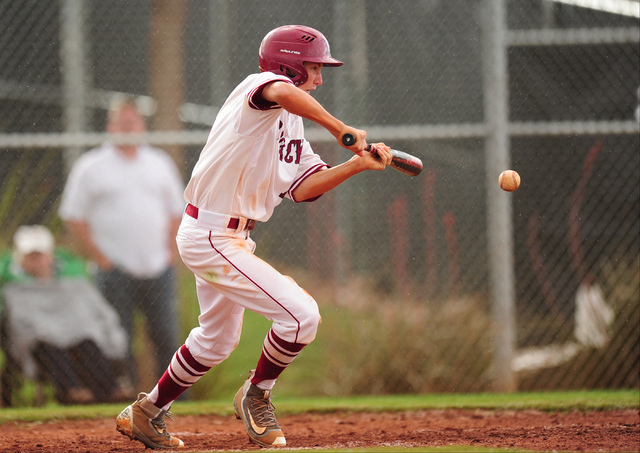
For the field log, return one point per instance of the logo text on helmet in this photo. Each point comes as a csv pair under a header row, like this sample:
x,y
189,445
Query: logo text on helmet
x,y
290,51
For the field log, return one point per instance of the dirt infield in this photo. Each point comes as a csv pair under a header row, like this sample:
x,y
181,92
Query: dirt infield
x,y
609,431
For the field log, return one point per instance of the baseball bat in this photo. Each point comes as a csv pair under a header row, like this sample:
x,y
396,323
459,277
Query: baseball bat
x,y
403,162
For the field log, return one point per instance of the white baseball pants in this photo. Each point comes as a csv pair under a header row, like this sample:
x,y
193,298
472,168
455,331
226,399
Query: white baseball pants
x,y
230,279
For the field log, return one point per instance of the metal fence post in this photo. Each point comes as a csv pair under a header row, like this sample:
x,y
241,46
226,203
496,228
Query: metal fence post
x,y
73,72
499,222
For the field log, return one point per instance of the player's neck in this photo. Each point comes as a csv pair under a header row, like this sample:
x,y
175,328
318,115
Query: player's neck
x,y
128,151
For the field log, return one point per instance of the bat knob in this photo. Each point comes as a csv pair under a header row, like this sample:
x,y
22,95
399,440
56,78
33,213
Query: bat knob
x,y
348,139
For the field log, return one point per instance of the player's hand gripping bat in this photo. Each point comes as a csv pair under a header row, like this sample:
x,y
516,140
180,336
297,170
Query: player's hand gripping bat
x,y
403,162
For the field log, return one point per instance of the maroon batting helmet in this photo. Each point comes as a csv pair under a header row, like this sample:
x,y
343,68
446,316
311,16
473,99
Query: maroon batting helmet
x,y
285,49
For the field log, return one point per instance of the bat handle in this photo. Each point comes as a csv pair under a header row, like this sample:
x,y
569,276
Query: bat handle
x,y
350,139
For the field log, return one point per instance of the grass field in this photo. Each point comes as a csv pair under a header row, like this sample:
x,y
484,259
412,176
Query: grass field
x,y
545,401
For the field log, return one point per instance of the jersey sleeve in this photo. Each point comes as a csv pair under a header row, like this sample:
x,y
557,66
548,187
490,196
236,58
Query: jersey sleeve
x,y
75,196
310,163
254,97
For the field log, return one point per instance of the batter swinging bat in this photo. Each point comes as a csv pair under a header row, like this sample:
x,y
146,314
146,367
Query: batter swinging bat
x,y
403,162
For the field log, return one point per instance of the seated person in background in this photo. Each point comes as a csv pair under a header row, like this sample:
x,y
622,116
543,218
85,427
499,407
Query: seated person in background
x,y
56,321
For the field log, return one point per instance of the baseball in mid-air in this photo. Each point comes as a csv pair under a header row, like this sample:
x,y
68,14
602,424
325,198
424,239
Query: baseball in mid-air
x,y
509,180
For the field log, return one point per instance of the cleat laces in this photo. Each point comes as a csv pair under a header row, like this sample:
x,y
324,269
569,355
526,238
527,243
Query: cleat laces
x,y
264,412
160,425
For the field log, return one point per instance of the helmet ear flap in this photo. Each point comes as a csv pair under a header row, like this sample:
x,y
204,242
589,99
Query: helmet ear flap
x,y
297,75
287,71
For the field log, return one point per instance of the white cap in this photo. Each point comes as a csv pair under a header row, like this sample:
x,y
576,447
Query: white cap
x,y
33,238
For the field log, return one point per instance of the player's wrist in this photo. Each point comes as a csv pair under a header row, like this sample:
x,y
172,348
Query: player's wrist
x,y
357,164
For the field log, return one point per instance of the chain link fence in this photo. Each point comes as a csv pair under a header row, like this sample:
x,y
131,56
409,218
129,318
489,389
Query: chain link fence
x,y
439,282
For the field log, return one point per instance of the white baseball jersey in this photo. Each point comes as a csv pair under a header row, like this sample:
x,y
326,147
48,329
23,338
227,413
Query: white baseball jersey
x,y
255,155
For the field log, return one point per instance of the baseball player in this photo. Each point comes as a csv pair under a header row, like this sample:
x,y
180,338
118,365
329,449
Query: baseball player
x,y
255,156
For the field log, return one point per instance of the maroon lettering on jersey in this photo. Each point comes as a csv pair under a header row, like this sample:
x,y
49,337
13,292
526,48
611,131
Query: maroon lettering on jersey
x,y
294,151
